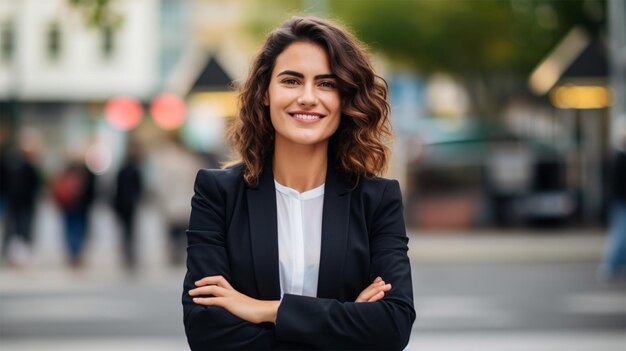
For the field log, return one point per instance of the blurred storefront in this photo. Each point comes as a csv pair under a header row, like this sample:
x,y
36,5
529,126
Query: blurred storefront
x,y
542,163
60,71
77,84
574,76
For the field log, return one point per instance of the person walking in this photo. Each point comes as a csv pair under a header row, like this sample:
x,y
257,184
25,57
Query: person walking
x,y
74,192
129,187
174,167
21,185
614,262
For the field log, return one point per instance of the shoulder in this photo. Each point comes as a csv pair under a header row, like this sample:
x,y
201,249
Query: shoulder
x,y
381,203
222,180
376,193
380,186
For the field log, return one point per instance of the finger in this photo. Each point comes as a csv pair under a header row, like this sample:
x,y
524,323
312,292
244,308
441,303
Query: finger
x,y
370,291
223,282
378,279
214,290
209,301
367,293
375,285
209,280
214,280
379,296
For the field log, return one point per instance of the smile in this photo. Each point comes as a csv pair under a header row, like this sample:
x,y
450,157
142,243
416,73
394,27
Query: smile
x,y
307,117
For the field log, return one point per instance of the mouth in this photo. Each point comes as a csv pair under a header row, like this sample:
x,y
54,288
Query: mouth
x,y
306,117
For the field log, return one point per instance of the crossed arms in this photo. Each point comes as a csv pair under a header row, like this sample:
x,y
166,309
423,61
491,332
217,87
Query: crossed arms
x,y
218,316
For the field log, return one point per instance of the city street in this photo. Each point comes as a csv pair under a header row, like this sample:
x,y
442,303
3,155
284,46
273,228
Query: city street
x,y
487,306
500,125
482,297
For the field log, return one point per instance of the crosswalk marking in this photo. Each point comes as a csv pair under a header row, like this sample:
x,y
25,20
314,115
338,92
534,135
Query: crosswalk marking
x,y
70,308
606,303
455,311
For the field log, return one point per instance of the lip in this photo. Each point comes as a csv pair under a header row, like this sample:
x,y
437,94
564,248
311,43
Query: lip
x,y
310,113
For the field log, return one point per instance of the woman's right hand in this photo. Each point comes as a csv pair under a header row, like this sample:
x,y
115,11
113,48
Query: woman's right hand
x,y
376,291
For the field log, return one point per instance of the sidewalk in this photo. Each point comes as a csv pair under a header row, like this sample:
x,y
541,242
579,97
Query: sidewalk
x,y
507,246
103,254
104,270
566,341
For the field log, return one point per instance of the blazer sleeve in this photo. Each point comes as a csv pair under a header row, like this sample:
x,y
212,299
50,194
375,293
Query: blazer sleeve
x,y
210,328
385,324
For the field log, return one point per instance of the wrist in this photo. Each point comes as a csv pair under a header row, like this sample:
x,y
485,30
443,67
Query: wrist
x,y
271,311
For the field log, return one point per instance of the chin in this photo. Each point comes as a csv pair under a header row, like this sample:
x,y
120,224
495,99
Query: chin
x,y
309,141
306,139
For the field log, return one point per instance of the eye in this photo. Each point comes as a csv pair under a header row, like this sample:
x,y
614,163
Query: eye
x,y
290,81
328,84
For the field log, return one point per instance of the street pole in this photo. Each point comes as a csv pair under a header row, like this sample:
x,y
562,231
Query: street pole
x,y
14,87
617,70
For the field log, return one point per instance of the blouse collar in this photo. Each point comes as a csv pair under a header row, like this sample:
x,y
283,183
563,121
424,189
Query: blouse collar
x,y
307,195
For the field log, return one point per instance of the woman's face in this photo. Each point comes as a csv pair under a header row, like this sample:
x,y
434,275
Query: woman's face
x,y
303,98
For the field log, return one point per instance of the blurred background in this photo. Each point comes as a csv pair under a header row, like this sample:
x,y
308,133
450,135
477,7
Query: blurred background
x,y
510,129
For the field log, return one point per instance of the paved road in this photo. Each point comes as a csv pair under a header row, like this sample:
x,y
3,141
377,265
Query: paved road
x,y
489,305
487,292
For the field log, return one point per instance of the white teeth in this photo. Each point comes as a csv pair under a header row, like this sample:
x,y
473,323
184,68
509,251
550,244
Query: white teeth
x,y
308,117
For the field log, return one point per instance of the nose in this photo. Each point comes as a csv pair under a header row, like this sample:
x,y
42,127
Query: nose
x,y
308,96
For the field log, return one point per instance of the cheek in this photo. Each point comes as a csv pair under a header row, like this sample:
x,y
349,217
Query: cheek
x,y
274,119
335,124
334,103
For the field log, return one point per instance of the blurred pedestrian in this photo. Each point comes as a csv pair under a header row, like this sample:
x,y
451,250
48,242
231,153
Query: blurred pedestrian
x,y
4,185
614,263
129,186
21,187
176,168
74,192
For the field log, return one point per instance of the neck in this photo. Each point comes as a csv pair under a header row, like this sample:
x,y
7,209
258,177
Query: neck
x,y
300,167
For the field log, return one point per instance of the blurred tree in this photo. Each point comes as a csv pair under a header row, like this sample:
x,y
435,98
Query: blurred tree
x,y
457,36
98,13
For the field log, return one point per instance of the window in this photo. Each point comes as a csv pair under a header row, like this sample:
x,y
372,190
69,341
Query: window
x,y
7,41
108,42
54,41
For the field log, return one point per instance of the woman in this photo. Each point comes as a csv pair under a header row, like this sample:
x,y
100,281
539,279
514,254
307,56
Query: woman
x,y
299,244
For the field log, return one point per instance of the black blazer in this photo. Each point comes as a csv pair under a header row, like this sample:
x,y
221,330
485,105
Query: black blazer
x,y
232,232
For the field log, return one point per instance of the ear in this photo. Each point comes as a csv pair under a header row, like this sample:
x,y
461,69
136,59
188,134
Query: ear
x,y
266,100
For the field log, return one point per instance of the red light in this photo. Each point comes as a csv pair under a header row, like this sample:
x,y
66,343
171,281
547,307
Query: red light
x,y
123,112
168,111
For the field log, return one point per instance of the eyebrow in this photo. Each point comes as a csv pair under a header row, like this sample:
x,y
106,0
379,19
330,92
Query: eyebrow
x,y
300,75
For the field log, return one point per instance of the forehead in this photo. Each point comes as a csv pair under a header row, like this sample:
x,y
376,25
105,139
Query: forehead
x,y
303,57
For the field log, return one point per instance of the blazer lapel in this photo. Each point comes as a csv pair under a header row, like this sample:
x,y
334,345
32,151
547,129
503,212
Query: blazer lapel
x,y
264,234
335,222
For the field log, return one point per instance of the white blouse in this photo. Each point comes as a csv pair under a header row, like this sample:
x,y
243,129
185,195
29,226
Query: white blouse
x,y
299,238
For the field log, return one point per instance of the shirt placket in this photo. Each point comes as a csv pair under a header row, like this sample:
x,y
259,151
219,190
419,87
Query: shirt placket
x,y
297,281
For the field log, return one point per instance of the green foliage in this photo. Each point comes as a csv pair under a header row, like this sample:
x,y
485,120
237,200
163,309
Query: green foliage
x,y
268,14
460,36
98,13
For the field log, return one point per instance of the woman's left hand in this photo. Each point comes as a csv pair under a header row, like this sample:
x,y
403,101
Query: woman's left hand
x,y
224,295
374,292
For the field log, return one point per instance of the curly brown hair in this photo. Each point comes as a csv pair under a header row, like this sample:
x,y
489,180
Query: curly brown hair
x,y
361,143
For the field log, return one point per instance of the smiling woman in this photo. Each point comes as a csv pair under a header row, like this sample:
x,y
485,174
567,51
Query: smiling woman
x,y
304,103
299,243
